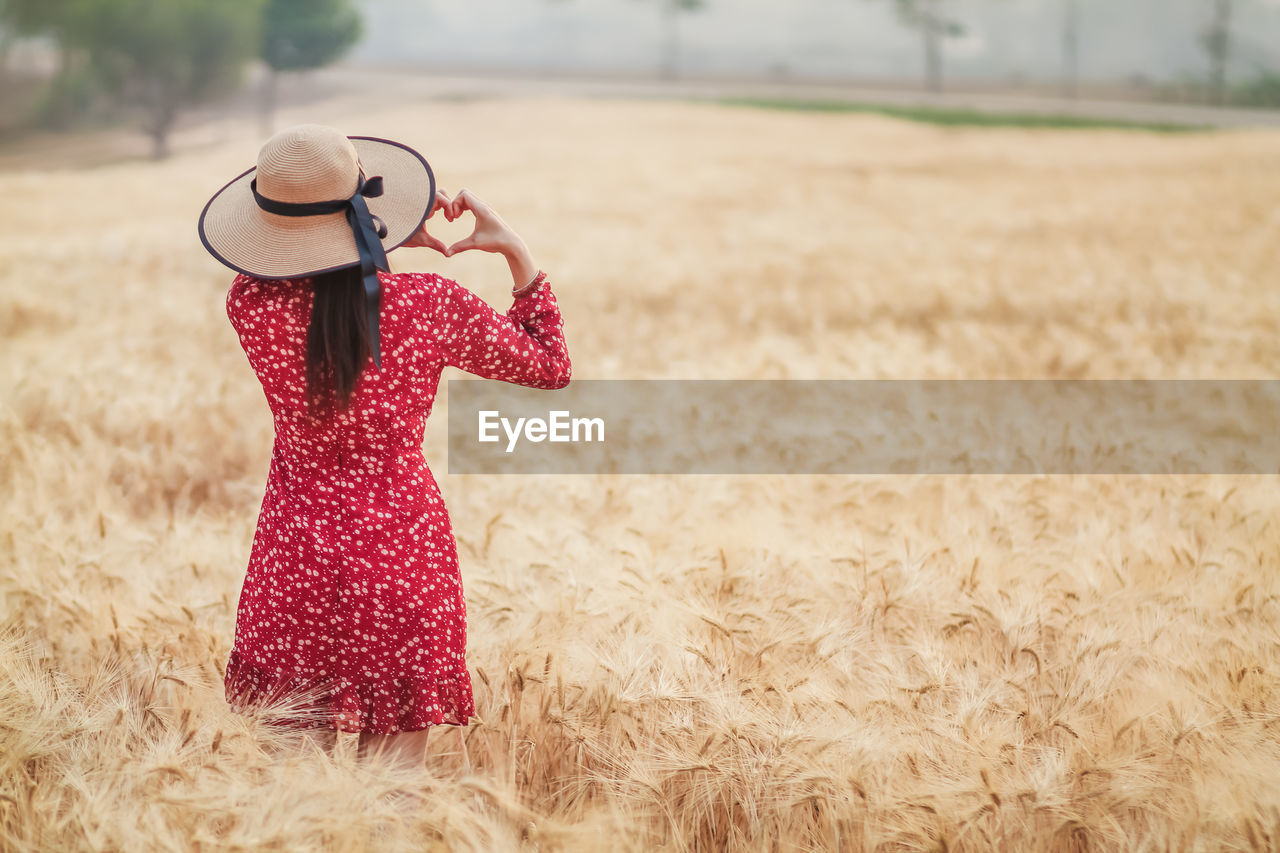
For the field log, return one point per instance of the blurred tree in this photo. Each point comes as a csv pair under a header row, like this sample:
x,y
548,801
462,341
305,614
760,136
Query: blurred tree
x,y
1262,91
167,54
299,35
1216,39
671,11
33,17
1070,47
159,55
71,90
928,17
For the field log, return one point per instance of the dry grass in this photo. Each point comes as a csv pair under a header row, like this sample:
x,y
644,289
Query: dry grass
x,y
910,663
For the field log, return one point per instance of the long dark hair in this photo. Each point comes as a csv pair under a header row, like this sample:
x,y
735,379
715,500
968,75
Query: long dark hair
x,y
337,340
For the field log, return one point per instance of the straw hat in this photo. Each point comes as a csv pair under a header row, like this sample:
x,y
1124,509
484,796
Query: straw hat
x,y
319,201
313,163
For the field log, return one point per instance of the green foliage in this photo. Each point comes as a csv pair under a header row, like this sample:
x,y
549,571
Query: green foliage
x,y
69,98
164,54
35,17
302,34
955,117
182,50
159,55
1261,91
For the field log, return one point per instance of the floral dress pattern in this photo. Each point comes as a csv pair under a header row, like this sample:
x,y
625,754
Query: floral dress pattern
x,y
353,598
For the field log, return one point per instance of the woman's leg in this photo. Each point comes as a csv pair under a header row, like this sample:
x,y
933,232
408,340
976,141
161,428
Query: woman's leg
x,y
407,748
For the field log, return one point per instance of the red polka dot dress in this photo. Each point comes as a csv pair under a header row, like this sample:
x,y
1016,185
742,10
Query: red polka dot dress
x,y
353,597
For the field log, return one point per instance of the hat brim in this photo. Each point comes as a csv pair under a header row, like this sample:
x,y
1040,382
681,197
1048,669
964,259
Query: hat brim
x,y
265,245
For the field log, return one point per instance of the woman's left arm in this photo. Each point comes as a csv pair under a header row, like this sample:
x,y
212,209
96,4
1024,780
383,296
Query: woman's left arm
x,y
525,346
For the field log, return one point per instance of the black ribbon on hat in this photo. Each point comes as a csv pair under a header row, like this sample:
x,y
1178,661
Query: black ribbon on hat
x,y
368,230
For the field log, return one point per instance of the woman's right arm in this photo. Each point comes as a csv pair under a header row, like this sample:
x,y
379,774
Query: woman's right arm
x,y
526,345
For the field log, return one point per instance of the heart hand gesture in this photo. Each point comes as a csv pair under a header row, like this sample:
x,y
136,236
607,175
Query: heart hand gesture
x,y
491,234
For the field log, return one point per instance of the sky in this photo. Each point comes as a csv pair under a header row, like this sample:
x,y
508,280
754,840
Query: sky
x,y
1005,39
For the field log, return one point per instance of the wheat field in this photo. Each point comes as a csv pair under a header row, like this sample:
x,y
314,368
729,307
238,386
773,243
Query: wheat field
x,y
1057,663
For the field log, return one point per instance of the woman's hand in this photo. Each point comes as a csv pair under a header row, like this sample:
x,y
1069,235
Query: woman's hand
x,y
420,238
491,234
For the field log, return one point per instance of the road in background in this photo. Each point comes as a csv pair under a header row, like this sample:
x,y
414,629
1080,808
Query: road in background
x,y
353,91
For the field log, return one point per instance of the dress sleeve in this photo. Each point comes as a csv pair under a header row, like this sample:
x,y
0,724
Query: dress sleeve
x,y
525,346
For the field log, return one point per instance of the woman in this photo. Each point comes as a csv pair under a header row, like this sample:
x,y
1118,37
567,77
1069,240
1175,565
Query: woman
x,y
352,606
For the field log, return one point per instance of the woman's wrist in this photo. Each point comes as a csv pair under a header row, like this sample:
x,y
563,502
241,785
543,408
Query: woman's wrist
x,y
523,268
528,289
